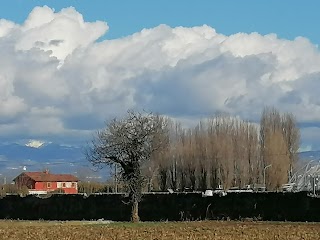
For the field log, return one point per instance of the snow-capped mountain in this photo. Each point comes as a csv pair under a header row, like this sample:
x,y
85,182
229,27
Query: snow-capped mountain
x,y
41,152
35,143
38,155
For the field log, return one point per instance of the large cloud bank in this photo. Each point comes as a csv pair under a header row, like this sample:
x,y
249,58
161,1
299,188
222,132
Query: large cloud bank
x,y
58,82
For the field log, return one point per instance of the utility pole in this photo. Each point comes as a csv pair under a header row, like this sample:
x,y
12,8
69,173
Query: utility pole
x,y
264,174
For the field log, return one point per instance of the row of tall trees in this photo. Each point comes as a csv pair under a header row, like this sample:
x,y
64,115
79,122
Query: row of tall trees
x,y
222,150
230,152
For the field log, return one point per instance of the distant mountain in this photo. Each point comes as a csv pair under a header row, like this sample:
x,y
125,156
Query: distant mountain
x,y
37,157
310,155
44,153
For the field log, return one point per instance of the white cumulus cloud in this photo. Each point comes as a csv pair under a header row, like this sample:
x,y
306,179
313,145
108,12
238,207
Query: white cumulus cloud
x,y
58,82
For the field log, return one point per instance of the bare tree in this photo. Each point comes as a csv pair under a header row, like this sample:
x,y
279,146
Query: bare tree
x,y
270,122
279,141
201,145
160,168
253,151
277,156
291,134
225,150
129,143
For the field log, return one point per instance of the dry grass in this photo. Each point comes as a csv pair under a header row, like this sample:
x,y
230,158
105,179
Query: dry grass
x,y
180,230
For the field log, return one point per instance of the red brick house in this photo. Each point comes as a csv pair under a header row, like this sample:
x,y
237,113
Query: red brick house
x,y
44,182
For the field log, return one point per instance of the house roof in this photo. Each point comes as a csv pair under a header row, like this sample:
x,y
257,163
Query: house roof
x,y
49,177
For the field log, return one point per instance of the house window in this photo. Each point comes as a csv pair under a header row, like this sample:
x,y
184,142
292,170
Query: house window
x,y
48,184
64,185
73,185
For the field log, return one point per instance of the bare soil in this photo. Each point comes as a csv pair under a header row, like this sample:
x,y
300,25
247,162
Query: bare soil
x,y
223,230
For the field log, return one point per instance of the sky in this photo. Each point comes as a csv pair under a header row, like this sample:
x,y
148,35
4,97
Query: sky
x,y
67,66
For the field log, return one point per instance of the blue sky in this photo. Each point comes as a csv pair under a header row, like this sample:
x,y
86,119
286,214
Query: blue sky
x,y
287,18
64,71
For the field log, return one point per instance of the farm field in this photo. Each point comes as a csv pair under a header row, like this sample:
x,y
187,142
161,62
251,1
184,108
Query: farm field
x,y
164,230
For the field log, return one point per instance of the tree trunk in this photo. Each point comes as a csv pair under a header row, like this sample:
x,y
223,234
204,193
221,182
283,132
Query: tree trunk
x,y
135,212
